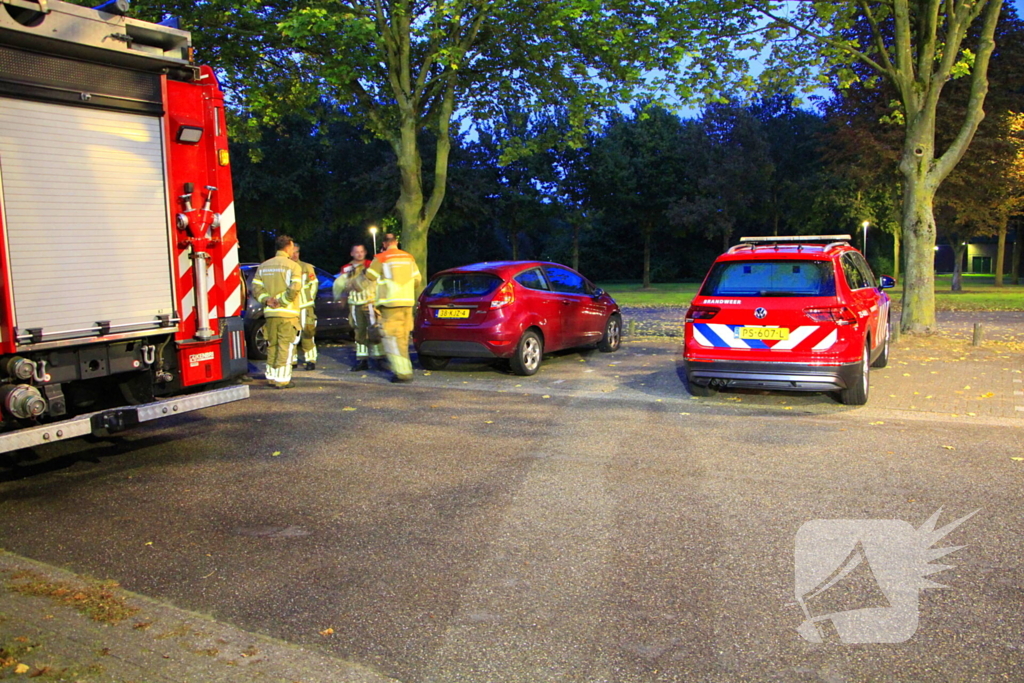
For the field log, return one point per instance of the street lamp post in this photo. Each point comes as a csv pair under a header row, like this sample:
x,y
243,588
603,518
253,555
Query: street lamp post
x,y
373,232
865,225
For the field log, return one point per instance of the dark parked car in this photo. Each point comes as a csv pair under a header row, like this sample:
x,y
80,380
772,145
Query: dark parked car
x,y
514,310
331,316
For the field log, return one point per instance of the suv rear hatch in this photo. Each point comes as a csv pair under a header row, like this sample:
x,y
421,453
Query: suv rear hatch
x,y
769,309
464,298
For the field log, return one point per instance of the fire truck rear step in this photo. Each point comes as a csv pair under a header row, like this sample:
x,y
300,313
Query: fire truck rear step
x,y
108,421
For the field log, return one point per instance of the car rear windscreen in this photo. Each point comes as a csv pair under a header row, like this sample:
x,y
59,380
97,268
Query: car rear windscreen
x,y
462,285
770,278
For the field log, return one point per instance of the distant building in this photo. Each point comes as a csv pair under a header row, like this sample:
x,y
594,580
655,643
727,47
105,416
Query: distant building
x,y
979,258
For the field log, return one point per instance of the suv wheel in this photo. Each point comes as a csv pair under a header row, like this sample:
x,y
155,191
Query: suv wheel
x,y
612,334
857,395
883,357
701,390
256,342
529,352
433,362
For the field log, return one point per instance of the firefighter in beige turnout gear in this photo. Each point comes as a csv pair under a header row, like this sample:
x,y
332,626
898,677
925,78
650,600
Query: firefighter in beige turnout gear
x,y
360,304
278,285
396,276
307,312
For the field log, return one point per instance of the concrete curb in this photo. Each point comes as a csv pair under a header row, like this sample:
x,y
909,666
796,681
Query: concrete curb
x,y
159,643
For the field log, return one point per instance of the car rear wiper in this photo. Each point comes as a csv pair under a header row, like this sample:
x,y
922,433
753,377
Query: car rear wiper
x,y
765,292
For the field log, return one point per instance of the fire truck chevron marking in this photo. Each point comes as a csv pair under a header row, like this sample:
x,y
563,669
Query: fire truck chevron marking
x,y
717,335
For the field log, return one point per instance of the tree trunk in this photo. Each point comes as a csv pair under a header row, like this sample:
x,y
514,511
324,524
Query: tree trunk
x,y
959,249
647,258
1000,255
918,315
514,239
576,245
1015,259
896,256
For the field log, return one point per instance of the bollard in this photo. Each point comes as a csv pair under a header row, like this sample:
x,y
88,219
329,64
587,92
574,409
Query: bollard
x,y
631,328
894,334
978,329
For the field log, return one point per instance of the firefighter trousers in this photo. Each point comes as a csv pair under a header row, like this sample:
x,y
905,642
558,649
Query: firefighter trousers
x,y
282,334
307,341
396,323
360,314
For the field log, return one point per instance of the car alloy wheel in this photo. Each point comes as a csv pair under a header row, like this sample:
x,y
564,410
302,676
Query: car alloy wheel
x,y
528,354
612,334
260,340
531,353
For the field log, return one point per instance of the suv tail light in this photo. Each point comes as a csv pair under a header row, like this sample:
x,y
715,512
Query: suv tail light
x,y
504,296
840,315
701,313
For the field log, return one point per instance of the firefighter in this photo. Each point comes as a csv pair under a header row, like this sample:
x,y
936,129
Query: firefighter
x,y
359,304
396,277
278,286
307,311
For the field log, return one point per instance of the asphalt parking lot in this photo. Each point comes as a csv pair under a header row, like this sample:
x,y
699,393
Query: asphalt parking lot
x,y
592,523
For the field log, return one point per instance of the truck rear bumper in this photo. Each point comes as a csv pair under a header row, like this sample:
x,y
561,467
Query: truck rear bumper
x,y
116,419
777,376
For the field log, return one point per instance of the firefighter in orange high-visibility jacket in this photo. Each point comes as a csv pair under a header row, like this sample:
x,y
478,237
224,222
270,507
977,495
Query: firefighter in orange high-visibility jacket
x,y
307,314
278,286
396,277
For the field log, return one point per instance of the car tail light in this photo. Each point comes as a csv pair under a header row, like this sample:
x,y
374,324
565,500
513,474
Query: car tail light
x,y
504,296
701,313
840,315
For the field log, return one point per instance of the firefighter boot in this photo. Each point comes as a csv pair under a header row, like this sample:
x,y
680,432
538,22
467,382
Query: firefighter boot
x,y
361,366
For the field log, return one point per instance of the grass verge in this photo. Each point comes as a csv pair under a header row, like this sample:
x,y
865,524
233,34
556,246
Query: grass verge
x,y
95,599
979,294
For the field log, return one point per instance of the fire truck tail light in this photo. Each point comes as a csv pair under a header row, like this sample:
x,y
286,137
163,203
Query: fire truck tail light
x,y
189,135
840,315
223,158
701,313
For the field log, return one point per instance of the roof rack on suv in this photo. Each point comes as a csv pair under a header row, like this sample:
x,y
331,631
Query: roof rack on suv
x,y
752,243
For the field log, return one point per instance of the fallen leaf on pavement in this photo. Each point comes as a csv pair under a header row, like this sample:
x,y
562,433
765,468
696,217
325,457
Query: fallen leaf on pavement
x,y
21,669
1017,459
876,423
327,632
545,396
348,409
989,394
684,413
275,454
950,448
488,422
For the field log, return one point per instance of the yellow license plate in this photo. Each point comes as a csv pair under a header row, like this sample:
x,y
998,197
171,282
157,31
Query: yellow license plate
x,y
453,313
773,333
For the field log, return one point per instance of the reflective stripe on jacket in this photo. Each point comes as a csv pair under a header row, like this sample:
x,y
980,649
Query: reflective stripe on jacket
x,y
397,277
310,285
282,278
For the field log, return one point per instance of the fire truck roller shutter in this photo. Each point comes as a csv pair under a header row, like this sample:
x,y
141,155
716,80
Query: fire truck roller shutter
x,y
85,208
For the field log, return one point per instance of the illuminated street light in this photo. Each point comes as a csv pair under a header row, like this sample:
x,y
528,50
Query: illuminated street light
x,y
865,225
373,232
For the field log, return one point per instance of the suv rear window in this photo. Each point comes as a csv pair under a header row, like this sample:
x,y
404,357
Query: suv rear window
x,y
462,285
770,278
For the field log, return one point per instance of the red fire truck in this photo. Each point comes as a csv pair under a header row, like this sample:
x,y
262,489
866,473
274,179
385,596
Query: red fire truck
x,y
119,281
